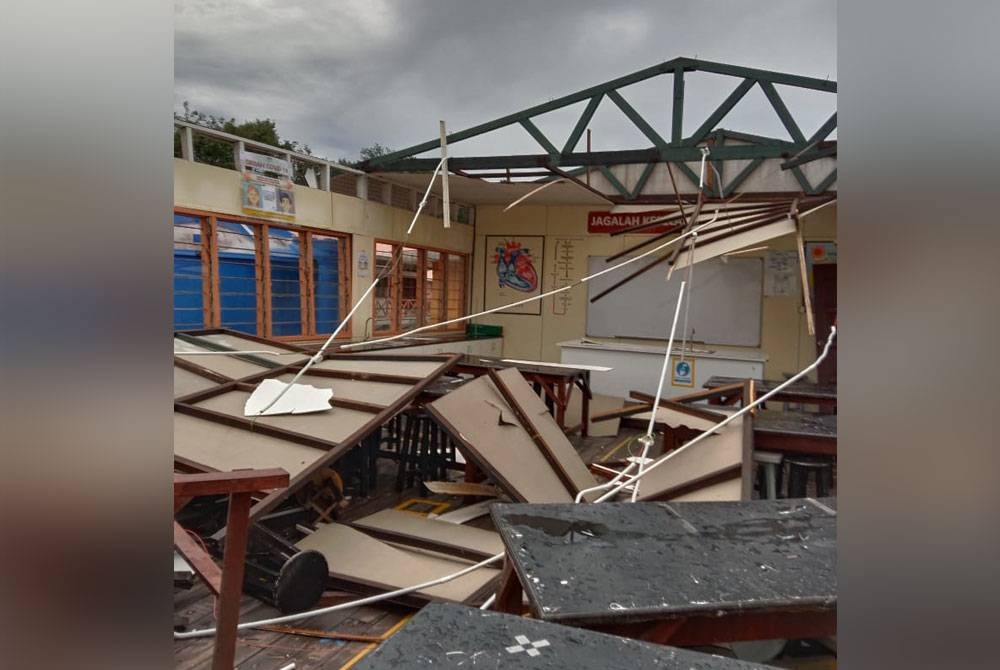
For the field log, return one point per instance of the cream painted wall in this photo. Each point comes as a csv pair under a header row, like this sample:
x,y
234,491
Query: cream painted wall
x,y
784,337
213,189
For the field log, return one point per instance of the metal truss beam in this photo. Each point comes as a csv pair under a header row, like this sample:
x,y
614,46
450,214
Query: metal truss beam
x,y
680,149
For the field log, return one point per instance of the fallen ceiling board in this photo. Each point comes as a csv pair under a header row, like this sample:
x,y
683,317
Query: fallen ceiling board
x,y
547,428
598,404
721,492
376,393
233,341
352,555
675,419
462,489
332,426
186,382
381,366
714,454
230,366
708,250
465,514
446,534
225,448
470,413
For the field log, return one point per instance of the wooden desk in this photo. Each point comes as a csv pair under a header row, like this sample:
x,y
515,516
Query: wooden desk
x,y
803,433
823,395
686,574
447,636
556,382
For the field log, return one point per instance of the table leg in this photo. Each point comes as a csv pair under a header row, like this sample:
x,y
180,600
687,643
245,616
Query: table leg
x,y
237,526
509,591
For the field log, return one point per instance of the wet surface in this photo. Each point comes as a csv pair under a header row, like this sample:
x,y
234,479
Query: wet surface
x,y
800,388
796,423
453,636
622,561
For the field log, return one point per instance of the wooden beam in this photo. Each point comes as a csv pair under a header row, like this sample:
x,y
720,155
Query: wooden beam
x,y
198,559
237,481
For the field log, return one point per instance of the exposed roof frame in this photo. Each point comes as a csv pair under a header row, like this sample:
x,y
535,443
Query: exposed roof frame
x,y
677,149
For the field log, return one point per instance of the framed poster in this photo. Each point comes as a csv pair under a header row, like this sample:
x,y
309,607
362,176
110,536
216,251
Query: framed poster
x,y
514,272
267,189
683,372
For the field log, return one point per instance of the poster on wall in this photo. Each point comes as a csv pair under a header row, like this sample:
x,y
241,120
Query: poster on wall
x,y
266,189
781,273
683,372
514,272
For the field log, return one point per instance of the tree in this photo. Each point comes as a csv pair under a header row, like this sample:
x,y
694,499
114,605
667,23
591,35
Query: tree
x,y
220,153
367,153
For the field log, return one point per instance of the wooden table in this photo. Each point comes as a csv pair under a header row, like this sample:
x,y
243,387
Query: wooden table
x,y
555,381
447,636
686,574
806,393
803,433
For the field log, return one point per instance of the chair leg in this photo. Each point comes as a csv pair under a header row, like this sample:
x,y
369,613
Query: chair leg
x,y
797,479
771,480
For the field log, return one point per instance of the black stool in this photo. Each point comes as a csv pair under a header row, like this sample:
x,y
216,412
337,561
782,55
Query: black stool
x,y
423,450
799,469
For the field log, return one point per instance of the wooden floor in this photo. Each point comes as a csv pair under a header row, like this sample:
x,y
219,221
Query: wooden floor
x,y
266,650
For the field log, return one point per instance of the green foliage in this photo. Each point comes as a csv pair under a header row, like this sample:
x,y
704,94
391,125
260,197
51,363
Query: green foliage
x,y
220,153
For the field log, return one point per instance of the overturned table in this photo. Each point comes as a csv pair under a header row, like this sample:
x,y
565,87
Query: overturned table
x,y
685,574
446,635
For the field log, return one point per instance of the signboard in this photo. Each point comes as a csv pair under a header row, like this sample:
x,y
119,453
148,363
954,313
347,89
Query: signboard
x,y
606,222
513,272
266,189
363,264
781,273
682,372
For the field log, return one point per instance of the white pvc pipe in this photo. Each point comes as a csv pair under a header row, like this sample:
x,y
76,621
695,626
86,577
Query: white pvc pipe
x,y
532,298
648,442
347,319
205,632
726,421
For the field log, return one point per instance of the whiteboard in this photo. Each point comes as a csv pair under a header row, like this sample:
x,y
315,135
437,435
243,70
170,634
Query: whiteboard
x,y
725,306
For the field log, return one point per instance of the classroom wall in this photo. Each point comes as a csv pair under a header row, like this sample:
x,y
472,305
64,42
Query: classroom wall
x,y
213,189
784,337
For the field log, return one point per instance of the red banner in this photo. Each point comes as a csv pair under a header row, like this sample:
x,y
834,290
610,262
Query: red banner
x,y
606,222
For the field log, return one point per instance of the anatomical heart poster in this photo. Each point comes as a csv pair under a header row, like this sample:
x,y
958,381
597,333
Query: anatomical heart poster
x,y
514,272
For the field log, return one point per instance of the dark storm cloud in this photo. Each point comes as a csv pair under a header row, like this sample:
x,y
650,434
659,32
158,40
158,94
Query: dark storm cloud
x,y
342,75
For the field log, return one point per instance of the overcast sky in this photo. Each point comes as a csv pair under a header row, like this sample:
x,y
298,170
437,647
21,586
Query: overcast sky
x,y
343,74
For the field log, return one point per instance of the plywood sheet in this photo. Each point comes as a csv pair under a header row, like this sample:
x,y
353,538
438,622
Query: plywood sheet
x,y
238,343
441,532
376,393
186,382
226,448
710,456
353,555
598,404
721,492
417,369
333,426
470,413
547,428
230,366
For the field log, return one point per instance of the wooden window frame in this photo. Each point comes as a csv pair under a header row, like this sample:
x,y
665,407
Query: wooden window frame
x,y
211,304
395,286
